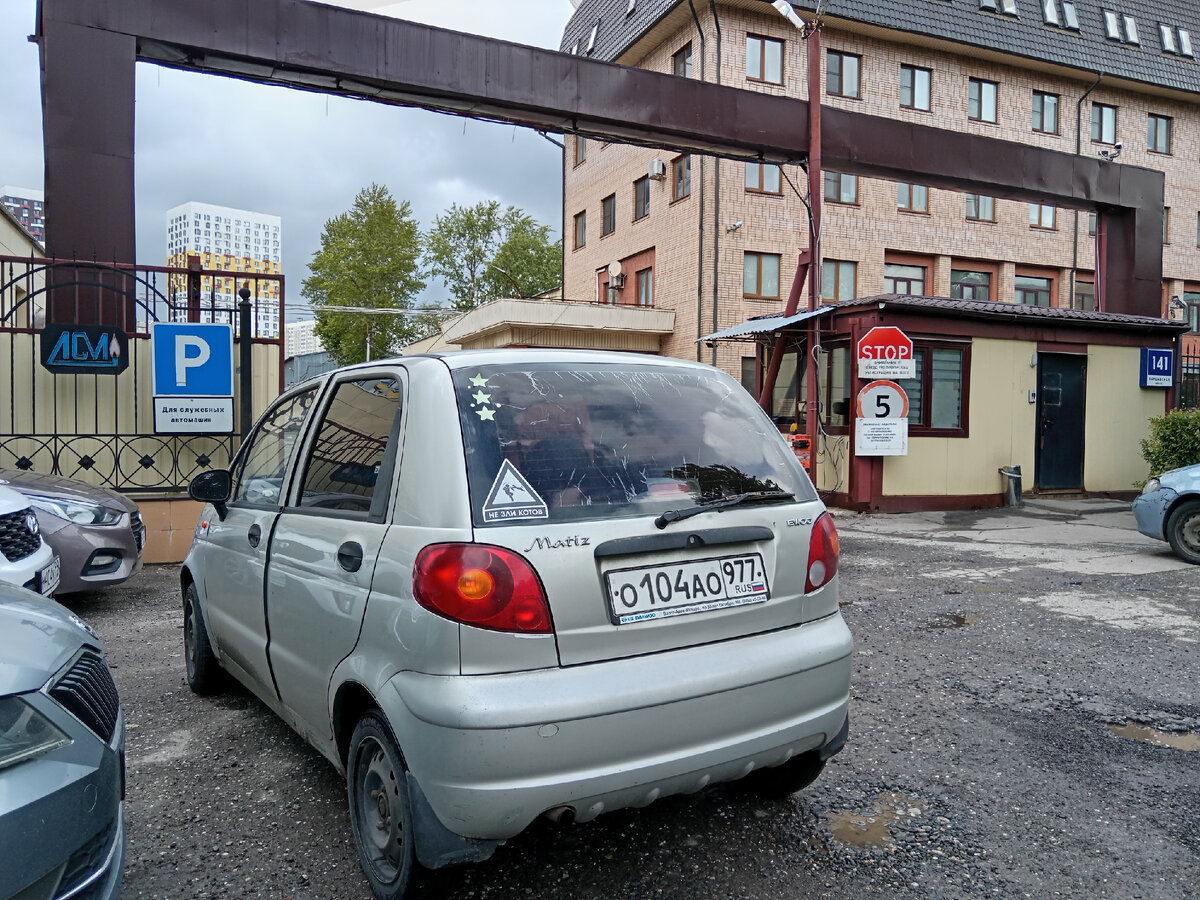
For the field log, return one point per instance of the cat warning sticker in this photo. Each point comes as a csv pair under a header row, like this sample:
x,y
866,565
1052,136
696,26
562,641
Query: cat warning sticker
x,y
512,498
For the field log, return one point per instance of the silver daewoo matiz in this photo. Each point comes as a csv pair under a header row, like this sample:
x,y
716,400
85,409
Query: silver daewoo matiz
x,y
492,585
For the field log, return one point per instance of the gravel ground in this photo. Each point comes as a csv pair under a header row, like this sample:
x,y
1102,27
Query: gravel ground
x,y
1019,677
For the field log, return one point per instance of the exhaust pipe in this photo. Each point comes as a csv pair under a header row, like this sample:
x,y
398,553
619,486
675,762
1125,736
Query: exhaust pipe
x,y
561,815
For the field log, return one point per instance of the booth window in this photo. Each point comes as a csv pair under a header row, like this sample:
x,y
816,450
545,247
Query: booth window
x,y
937,395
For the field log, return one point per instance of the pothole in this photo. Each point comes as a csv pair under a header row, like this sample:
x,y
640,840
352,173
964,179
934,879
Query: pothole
x,y
1148,735
950,620
874,828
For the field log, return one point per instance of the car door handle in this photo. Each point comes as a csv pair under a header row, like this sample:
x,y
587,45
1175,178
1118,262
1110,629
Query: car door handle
x,y
254,535
350,556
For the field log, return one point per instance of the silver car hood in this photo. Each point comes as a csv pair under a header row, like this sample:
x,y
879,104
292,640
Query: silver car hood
x,y
37,638
64,488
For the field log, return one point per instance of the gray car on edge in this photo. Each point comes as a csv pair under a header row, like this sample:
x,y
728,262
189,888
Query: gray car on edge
x,y
62,756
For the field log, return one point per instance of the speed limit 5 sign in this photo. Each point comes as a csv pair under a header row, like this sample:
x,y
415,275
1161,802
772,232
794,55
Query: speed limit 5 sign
x,y
882,400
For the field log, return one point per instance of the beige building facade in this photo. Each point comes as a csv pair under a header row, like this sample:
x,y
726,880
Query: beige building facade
x,y
721,237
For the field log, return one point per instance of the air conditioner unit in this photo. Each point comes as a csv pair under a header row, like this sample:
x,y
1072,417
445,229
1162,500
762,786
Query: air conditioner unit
x,y
616,281
658,169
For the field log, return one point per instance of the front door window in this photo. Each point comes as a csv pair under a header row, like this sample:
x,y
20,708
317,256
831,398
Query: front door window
x,y
263,467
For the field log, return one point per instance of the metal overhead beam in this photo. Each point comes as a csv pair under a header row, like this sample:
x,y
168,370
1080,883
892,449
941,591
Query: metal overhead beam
x,y
89,47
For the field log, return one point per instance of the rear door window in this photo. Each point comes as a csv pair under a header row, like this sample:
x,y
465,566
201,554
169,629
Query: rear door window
x,y
551,442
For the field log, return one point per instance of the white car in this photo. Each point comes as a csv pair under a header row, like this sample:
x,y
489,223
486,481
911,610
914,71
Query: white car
x,y
25,559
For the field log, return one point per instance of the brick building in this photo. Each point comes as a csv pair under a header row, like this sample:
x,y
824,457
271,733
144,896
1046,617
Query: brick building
x,y
715,241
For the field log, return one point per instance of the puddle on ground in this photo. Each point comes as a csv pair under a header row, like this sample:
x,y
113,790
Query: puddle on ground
x,y
872,829
950,620
1147,735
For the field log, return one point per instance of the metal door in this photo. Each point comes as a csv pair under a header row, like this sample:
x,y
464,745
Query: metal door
x,y
1060,417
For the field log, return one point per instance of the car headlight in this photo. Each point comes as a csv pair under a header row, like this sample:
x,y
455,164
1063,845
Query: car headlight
x,y
1151,486
25,732
81,512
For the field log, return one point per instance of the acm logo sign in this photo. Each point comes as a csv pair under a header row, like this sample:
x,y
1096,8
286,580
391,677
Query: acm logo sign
x,y
84,349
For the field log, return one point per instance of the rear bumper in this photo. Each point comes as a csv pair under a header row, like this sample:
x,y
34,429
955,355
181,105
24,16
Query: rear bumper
x,y
492,752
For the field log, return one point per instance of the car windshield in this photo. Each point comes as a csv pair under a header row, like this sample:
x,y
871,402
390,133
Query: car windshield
x,y
564,442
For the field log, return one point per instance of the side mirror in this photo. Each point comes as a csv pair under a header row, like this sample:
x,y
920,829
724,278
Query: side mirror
x,y
212,487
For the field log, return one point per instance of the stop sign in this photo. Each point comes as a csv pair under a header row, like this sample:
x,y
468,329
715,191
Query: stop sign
x,y
886,352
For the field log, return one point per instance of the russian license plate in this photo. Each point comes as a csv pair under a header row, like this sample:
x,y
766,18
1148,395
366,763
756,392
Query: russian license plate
x,y
49,577
679,589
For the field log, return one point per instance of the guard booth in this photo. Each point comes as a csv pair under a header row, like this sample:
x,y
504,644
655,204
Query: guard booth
x,y
1064,394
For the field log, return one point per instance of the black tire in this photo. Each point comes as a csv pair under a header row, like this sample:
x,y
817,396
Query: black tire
x,y
1183,531
204,675
784,780
380,809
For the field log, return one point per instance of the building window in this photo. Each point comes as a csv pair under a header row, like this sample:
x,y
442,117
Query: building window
x,y
914,87
912,197
1112,25
1158,133
760,275
968,285
681,62
1093,218
841,188
839,279
580,149
981,100
1192,299
902,279
608,215
580,229
681,177
1104,123
1131,32
842,74
981,208
1041,215
641,198
1167,33
937,395
1033,291
645,287
1045,112
764,59
762,178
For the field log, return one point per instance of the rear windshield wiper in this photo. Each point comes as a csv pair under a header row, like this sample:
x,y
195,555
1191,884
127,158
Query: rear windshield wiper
x,y
676,515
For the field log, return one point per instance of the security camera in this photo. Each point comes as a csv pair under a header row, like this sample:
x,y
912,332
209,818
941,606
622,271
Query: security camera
x,y
1118,147
1110,155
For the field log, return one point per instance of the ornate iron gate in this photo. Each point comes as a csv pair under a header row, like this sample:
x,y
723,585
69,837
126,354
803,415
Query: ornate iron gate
x,y
100,428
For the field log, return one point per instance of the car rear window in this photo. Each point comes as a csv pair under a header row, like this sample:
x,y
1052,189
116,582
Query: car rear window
x,y
560,442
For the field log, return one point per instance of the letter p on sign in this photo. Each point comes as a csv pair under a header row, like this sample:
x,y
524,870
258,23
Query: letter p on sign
x,y
184,360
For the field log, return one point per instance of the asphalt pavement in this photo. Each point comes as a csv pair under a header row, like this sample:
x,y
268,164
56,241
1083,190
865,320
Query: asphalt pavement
x,y
1024,723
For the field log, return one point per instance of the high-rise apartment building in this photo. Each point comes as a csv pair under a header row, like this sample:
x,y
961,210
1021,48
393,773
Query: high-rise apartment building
x,y
28,207
234,241
716,240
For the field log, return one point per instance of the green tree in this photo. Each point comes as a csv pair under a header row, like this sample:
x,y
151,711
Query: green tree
x,y
369,258
481,253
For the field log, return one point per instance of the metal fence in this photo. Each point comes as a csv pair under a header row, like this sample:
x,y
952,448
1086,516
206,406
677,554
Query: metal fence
x,y
100,427
1189,380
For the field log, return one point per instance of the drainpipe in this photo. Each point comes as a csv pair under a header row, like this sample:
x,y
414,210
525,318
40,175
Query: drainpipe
x,y
812,400
700,215
716,225
1078,152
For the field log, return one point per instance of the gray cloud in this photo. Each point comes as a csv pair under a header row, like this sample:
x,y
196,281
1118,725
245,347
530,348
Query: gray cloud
x,y
299,155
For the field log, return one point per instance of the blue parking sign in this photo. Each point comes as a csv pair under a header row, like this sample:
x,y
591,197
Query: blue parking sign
x,y
193,359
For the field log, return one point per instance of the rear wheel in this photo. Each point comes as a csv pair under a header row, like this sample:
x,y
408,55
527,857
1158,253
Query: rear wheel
x,y
782,781
380,810
204,674
1183,531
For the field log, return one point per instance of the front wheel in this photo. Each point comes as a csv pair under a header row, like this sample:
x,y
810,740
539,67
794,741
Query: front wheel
x,y
380,810
1183,531
204,674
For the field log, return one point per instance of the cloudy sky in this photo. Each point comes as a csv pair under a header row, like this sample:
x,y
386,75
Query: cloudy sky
x,y
297,155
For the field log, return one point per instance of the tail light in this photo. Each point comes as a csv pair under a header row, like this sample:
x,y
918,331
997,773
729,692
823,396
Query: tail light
x,y
488,587
822,554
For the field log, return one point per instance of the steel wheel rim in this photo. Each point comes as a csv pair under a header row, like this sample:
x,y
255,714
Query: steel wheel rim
x,y
1189,532
380,819
189,639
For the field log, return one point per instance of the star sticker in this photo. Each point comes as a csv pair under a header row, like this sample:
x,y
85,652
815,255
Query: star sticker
x,y
478,381
480,397
487,415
